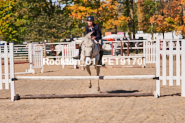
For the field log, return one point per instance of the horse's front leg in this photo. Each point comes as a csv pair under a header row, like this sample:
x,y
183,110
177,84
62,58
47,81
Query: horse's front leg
x,y
83,61
97,72
89,71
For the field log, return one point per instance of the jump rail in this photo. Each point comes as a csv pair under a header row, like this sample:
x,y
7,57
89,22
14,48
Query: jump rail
x,y
18,97
84,77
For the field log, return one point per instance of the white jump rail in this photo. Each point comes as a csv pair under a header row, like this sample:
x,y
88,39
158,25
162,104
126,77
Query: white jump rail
x,y
85,77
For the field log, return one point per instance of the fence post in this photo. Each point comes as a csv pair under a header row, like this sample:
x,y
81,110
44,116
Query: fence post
x,y
45,49
163,62
6,66
41,60
178,62
30,55
157,93
121,48
128,48
183,68
144,55
11,49
171,63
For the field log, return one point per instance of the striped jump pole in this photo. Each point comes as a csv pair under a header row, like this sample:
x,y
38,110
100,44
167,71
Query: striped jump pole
x,y
84,77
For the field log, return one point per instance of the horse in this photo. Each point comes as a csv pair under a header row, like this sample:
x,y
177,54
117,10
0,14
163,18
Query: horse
x,y
90,50
58,49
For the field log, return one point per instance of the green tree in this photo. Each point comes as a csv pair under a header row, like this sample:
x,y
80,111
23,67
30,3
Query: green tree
x,y
129,9
11,23
147,9
45,21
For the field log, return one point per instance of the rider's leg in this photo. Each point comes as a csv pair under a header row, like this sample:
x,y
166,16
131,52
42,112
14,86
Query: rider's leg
x,y
101,55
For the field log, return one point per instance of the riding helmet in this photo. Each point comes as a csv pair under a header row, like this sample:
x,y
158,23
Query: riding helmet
x,y
90,18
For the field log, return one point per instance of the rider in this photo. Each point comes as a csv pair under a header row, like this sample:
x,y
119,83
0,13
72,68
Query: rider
x,y
96,35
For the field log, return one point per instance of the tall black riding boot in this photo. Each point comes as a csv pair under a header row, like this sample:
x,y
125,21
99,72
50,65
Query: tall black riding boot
x,y
78,57
101,55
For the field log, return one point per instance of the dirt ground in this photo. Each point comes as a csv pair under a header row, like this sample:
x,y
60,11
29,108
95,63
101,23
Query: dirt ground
x,y
169,108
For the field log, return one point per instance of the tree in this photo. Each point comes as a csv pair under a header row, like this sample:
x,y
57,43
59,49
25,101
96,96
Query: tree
x,y
10,22
129,10
45,21
171,18
105,13
146,9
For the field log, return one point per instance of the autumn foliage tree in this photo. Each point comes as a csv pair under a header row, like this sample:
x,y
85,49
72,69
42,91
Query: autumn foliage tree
x,y
146,9
105,13
171,18
32,20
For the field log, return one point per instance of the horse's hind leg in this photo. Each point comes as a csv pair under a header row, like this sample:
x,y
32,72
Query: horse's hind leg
x,y
88,70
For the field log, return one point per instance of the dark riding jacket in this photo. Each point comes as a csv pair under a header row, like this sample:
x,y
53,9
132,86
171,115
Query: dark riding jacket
x,y
97,33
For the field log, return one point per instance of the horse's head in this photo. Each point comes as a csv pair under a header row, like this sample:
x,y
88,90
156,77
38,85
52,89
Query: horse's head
x,y
88,45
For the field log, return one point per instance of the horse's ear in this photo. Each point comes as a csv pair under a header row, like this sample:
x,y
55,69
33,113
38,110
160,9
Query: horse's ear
x,y
88,35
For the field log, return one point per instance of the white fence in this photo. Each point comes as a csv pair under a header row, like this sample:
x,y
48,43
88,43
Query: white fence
x,y
68,52
20,52
116,45
7,79
35,57
149,51
68,49
180,65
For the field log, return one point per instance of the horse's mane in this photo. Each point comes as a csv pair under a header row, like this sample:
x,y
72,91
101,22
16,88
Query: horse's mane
x,y
87,36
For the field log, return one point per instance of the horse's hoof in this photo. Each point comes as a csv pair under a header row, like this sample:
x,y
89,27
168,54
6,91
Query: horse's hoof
x,y
90,85
83,69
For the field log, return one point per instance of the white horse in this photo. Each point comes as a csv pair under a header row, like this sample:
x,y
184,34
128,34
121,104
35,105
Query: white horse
x,y
58,49
108,47
90,50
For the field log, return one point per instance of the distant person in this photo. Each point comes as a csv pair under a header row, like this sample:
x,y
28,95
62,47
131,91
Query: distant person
x,y
53,52
71,38
124,38
39,45
65,39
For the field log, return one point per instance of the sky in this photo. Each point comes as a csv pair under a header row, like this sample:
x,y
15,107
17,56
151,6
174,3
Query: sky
x,y
54,0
